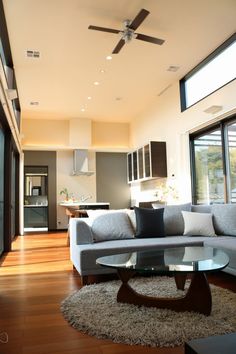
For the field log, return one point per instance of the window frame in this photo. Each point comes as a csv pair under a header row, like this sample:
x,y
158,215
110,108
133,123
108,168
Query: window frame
x,y
222,125
204,62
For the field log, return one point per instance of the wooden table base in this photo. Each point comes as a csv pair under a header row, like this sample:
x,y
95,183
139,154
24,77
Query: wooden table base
x,y
197,299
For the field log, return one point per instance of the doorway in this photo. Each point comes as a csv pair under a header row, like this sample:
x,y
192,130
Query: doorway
x,y
35,198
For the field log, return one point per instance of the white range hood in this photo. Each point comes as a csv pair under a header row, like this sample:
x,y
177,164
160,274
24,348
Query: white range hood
x,y
81,163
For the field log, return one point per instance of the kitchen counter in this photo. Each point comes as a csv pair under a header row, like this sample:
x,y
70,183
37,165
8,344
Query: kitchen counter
x,y
35,206
78,209
78,205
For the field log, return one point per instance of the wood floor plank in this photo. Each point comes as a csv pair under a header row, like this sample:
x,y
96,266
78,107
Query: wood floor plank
x,y
34,279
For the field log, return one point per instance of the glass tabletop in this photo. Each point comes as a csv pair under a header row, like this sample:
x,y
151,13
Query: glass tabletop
x,y
180,259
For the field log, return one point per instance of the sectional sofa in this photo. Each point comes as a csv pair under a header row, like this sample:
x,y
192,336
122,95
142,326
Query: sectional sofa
x,y
112,232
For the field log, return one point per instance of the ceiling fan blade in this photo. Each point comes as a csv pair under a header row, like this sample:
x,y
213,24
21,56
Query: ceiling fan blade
x,y
120,44
149,39
103,29
139,19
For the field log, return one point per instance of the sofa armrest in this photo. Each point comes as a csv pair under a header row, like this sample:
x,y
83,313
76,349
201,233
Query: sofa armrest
x,y
80,232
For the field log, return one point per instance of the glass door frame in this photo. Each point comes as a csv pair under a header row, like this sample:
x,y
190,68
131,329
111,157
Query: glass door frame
x,y
222,126
2,226
11,220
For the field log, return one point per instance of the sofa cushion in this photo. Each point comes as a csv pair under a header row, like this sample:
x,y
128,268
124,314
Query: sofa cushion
x,y
111,226
224,219
201,208
173,218
198,224
149,222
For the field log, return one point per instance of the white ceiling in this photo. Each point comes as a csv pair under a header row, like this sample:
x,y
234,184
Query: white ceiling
x,y
71,56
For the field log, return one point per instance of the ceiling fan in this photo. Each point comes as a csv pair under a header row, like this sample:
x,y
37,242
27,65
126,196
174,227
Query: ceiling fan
x,y
128,31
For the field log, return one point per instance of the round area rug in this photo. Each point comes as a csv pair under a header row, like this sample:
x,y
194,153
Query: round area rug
x,y
94,310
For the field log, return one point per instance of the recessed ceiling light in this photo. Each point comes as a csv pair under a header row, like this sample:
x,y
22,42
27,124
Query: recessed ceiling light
x,y
109,57
82,109
118,98
89,97
96,83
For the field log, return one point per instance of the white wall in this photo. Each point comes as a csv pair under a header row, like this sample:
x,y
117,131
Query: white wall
x,y
164,121
76,185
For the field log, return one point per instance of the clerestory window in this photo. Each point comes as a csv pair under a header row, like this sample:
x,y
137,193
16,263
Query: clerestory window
x,y
217,70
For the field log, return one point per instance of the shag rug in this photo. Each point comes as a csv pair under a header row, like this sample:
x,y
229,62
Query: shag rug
x,y
94,310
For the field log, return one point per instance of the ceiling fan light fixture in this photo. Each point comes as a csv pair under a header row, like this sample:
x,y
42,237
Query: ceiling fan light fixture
x,y
127,34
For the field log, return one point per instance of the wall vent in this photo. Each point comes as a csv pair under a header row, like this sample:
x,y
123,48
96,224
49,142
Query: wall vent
x,y
173,68
213,109
32,53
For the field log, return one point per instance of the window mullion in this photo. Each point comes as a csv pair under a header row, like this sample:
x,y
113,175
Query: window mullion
x,y
225,157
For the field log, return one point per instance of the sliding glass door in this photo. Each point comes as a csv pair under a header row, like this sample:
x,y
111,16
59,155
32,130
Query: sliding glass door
x,y
2,140
214,164
231,166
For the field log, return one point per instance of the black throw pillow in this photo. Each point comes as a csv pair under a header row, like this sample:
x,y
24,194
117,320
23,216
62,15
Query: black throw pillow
x,y
149,222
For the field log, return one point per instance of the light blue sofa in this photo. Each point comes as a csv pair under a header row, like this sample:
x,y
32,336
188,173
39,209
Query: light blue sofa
x,y
84,250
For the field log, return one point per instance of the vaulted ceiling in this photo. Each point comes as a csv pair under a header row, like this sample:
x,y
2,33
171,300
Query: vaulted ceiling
x,y
71,57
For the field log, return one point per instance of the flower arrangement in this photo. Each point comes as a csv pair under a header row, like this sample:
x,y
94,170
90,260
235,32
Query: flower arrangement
x,y
166,192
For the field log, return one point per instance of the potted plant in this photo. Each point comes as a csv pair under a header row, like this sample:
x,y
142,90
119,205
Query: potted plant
x,y
66,192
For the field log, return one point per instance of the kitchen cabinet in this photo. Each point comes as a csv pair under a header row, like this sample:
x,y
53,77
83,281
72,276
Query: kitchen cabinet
x,y
35,216
147,162
130,166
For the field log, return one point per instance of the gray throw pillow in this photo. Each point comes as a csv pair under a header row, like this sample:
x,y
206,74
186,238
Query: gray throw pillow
x,y
112,226
173,218
224,219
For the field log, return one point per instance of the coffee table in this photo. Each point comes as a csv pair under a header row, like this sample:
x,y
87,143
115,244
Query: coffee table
x,y
179,261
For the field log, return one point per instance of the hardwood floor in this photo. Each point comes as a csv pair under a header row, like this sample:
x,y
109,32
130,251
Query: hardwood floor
x,y
34,279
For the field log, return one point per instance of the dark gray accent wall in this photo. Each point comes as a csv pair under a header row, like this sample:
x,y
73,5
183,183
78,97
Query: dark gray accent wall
x,y
112,186
46,158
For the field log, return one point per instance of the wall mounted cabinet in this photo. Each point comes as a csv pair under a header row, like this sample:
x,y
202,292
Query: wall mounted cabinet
x,y
147,162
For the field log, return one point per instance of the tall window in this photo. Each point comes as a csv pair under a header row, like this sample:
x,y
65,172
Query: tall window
x,y
214,164
215,71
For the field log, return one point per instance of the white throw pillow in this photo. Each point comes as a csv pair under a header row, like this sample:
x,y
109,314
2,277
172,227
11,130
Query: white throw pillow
x,y
198,224
132,218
